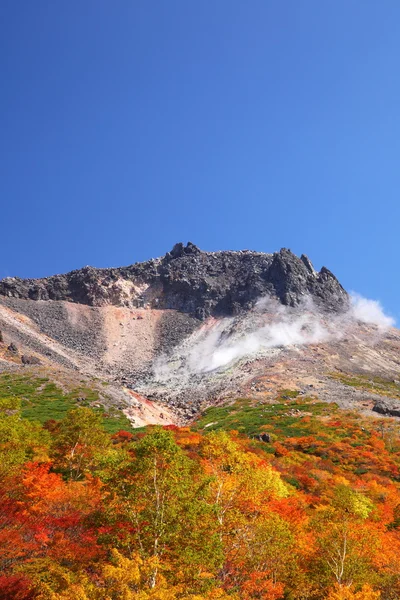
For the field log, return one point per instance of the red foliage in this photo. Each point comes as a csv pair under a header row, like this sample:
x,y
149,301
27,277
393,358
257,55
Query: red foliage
x,y
259,585
122,436
15,587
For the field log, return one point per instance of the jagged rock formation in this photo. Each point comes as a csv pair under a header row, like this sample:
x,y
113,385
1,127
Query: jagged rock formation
x,y
191,281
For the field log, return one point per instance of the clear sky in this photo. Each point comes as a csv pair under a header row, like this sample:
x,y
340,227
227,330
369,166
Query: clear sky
x,y
127,126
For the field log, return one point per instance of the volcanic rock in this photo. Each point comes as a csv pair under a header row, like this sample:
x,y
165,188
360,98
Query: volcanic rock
x,y
191,281
388,407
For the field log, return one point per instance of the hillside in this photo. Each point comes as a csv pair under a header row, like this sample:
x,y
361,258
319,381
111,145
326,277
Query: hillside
x,y
172,335
290,499
204,426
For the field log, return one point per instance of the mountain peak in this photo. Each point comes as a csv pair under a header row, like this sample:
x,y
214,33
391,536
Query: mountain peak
x,y
191,281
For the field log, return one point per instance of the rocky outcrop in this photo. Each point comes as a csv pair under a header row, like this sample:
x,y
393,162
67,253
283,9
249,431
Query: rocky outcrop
x,y
191,281
387,406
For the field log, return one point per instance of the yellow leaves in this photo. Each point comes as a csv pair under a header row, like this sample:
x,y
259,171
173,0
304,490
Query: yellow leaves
x,y
123,575
361,505
215,594
206,575
81,442
343,592
348,501
74,592
346,504
262,479
341,480
19,439
240,476
221,450
53,582
135,579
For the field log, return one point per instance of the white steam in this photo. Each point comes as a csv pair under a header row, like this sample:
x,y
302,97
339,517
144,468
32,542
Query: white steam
x,y
217,351
370,311
219,344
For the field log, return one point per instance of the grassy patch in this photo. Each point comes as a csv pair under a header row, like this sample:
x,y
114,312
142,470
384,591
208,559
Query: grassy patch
x,y
114,420
289,416
42,400
375,385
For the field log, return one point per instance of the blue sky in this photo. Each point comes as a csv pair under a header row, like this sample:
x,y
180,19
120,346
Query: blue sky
x,y
129,125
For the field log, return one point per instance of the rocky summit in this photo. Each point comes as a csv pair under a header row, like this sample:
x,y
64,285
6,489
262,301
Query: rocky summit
x,y
191,281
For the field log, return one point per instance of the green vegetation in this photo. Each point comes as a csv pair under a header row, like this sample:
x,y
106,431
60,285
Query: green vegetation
x,y
375,385
41,400
114,420
314,430
288,416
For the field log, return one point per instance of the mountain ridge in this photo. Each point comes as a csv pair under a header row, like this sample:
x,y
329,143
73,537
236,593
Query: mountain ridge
x,y
192,281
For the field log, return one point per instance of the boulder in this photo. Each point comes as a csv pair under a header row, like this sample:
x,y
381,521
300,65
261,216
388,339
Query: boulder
x,y
387,406
264,437
30,360
12,348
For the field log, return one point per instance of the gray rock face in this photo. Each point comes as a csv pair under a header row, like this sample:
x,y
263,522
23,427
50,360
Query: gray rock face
x,y
191,281
388,407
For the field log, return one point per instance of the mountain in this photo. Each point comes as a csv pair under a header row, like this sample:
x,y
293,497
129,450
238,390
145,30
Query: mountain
x,y
276,472
191,281
165,338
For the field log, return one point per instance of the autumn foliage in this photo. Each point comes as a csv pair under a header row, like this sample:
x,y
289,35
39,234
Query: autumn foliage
x,y
173,513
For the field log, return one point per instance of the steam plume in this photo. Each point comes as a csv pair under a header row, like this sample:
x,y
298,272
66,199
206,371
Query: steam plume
x,y
219,344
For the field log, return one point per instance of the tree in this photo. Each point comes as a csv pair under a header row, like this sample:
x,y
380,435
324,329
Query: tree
x,y
162,495
340,592
80,443
260,586
20,440
346,544
122,576
242,486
